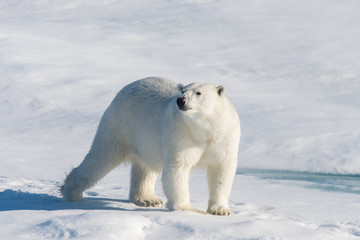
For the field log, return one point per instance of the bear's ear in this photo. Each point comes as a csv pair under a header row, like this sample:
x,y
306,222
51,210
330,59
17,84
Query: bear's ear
x,y
180,87
221,90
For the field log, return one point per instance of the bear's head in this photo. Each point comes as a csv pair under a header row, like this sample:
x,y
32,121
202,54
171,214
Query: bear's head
x,y
199,98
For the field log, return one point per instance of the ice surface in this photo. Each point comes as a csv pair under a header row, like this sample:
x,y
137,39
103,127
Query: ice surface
x,y
291,68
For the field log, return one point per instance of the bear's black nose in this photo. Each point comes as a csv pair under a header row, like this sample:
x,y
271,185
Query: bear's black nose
x,y
181,102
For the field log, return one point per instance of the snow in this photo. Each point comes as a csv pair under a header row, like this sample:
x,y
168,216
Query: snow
x,y
262,209
292,70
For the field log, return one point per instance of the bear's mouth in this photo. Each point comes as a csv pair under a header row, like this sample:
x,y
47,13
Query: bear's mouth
x,y
183,108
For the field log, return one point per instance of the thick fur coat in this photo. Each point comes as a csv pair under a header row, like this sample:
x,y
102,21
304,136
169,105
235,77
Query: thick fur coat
x,y
161,126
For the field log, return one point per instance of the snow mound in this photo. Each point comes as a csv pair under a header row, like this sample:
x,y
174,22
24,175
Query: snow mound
x,y
94,225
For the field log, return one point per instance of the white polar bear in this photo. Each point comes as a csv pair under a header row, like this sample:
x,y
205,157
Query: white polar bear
x,y
161,126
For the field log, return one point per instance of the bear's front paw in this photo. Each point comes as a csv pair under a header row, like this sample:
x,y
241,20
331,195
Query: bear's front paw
x,y
148,201
219,210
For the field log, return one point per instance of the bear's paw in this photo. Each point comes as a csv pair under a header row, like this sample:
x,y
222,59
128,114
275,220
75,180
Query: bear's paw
x,y
219,210
152,201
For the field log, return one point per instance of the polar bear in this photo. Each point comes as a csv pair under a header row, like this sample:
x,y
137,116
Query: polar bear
x,y
159,125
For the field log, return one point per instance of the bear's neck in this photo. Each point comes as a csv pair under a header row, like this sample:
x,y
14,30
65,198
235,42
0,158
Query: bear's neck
x,y
198,129
203,129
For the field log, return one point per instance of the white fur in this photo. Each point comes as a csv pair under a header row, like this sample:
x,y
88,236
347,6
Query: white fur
x,y
144,124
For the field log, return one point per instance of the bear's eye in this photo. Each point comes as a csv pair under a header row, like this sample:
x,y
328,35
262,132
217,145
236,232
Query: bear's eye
x,y
198,93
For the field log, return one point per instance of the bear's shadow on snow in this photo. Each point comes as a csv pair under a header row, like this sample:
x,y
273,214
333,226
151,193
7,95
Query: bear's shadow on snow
x,y
11,200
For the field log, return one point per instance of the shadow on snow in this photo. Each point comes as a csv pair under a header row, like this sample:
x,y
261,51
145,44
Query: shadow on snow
x,y
11,200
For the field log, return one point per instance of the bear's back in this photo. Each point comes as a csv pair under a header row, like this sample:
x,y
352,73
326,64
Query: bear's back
x,y
146,97
136,115
150,88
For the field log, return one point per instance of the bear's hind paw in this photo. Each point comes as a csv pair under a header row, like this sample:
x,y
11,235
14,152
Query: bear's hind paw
x,y
220,211
148,201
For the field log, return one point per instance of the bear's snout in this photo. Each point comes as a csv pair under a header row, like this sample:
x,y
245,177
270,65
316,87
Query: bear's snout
x,y
181,103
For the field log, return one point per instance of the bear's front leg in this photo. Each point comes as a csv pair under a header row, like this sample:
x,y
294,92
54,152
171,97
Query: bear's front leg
x,y
220,179
176,174
179,154
175,180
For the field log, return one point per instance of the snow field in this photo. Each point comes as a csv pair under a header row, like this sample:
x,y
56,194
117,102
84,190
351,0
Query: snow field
x,y
292,70
107,213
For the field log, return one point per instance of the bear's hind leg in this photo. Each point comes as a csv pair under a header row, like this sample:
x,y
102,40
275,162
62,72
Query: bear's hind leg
x,y
94,167
142,186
